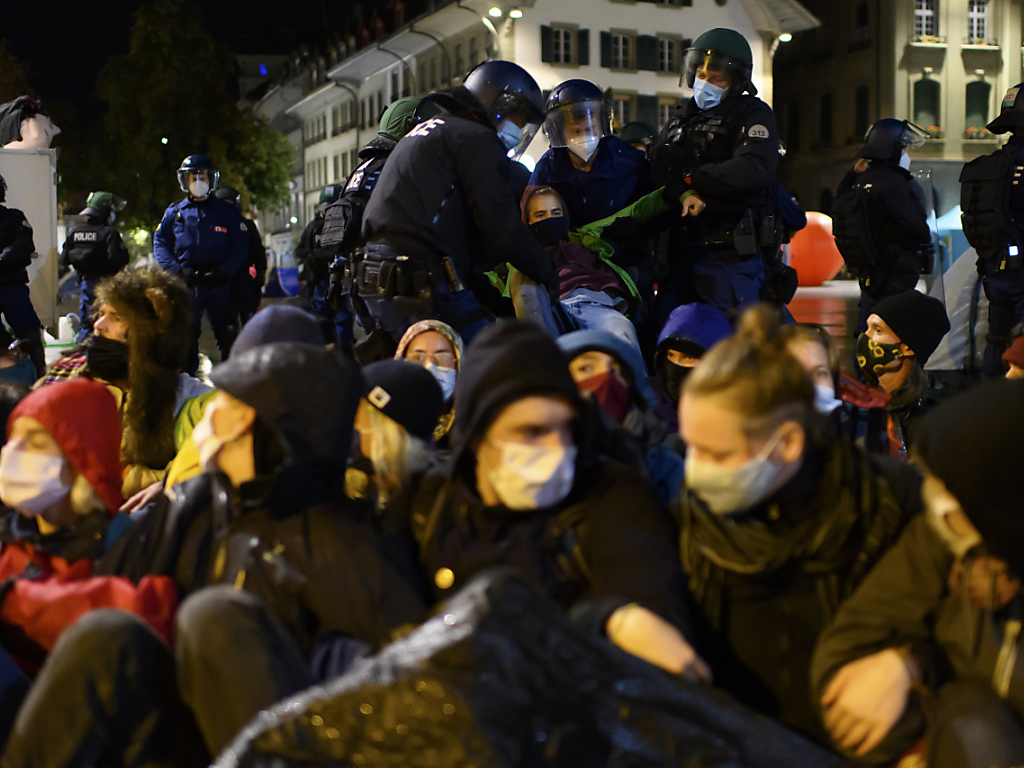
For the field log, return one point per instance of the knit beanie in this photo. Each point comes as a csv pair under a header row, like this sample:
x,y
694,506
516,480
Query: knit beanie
x,y
406,393
919,321
504,363
81,415
278,322
972,442
1015,354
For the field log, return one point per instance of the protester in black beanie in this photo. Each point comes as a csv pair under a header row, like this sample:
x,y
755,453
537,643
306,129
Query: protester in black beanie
x,y
918,320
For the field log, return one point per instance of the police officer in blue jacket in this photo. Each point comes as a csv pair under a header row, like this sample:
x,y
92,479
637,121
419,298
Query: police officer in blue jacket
x,y
16,249
95,249
597,174
205,241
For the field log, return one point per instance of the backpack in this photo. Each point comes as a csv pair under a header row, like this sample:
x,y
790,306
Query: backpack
x,y
851,227
985,184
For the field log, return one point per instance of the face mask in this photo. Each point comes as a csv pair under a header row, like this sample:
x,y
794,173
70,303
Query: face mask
x,y
936,512
510,134
583,147
30,482
608,391
873,358
550,231
905,161
106,358
110,219
532,476
445,377
199,188
825,400
207,442
707,95
675,377
727,490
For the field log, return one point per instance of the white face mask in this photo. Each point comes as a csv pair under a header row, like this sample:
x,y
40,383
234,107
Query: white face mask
x,y
510,134
727,490
936,511
445,377
199,188
825,400
584,147
30,482
207,442
532,476
707,95
905,161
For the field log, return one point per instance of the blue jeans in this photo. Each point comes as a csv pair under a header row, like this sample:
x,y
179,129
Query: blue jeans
x,y
597,310
87,289
217,304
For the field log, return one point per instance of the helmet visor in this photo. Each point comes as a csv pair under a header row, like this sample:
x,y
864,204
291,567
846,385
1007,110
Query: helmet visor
x,y
581,121
517,122
913,136
717,68
185,175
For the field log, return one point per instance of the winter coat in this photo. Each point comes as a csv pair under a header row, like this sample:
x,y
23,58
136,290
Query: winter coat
x,y
766,583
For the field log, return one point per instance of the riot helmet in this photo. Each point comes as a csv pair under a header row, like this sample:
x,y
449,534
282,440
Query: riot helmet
x,y
719,63
399,118
1011,111
103,205
577,118
190,175
640,135
330,193
887,139
227,194
511,100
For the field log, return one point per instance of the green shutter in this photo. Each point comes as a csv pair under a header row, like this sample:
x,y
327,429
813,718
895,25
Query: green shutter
x,y
583,47
647,111
546,43
606,49
647,52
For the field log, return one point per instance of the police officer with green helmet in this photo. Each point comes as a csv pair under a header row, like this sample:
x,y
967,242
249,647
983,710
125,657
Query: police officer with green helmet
x,y
720,154
992,205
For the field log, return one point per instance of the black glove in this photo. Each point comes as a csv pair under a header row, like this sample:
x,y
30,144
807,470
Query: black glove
x,y
189,276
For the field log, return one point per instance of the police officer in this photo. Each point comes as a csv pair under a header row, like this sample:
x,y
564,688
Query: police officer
x,y
442,212
205,241
721,152
639,136
597,174
247,284
879,219
992,201
16,249
95,249
314,262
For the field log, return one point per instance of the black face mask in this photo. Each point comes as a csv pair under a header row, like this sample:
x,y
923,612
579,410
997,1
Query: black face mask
x,y
675,376
550,231
106,358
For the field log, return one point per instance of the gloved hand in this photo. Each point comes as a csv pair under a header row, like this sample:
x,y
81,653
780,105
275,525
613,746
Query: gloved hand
x,y
189,275
645,634
867,697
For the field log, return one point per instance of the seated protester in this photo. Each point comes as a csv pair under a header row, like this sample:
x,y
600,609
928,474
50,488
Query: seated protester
x,y
522,489
395,419
928,644
779,522
903,331
60,478
142,330
1013,359
438,348
866,426
270,524
611,374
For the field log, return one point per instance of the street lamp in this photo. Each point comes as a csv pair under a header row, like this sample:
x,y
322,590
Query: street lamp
x,y
495,12
515,13
785,37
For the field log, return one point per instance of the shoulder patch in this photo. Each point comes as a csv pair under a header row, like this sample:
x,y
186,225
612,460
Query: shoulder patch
x,y
758,132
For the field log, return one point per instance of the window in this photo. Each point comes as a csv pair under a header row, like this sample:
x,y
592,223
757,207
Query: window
x,y
433,74
667,106
421,78
562,39
569,46
926,18
668,54
337,167
474,52
860,36
861,120
977,21
460,66
344,165
926,105
353,159
395,87
362,114
622,50
623,108
976,100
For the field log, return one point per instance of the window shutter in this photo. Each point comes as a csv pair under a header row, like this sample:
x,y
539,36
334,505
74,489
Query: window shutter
x,y
606,49
546,43
583,48
647,52
647,110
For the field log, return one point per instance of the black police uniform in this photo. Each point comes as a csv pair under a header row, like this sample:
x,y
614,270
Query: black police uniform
x,y
16,249
993,217
899,231
442,214
95,250
728,154
246,287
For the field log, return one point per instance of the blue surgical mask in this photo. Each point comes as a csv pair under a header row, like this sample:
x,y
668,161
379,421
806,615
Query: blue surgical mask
x,y
825,400
905,161
445,377
707,95
510,134
728,490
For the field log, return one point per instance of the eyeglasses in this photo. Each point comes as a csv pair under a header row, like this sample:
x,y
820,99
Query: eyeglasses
x,y
440,359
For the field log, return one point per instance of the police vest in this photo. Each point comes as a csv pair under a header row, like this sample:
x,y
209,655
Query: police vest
x,y
851,227
985,187
88,248
343,219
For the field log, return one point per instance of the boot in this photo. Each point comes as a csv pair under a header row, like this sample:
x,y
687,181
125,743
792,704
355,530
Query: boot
x,y
32,345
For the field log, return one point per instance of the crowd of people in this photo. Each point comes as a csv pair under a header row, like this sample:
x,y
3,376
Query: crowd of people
x,y
584,381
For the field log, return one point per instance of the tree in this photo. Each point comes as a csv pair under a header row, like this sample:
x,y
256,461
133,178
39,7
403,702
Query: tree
x,y
13,75
167,98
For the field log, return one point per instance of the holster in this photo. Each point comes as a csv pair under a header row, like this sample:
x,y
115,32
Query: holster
x,y
406,282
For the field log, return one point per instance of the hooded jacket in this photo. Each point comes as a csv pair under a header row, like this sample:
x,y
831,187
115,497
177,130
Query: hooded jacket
x,y
289,536
606,544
